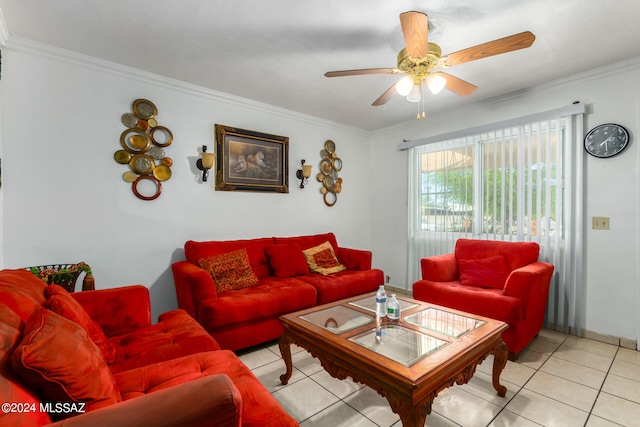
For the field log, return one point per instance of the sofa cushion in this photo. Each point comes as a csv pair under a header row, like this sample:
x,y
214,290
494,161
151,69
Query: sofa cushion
x,y
175,335
344,284
270,299
287,260
230,270
489,272
259,407
57,358
12,388
516,254
21,291
195,251
61,302
488,302
322,259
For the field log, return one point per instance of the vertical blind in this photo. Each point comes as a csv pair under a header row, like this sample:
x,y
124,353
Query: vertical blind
x,y
516,180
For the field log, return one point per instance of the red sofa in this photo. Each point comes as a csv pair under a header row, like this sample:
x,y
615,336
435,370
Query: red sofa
x,y
245,317
96,358
500,280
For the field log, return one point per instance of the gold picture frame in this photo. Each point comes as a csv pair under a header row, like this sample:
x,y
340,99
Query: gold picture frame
x,y
251,161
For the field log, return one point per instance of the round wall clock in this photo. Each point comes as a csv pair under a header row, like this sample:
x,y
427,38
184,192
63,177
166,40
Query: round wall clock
x,y
606,140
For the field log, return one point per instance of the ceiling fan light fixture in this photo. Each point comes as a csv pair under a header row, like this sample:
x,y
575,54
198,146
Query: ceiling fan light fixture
x,y
436,83
416,93
404,86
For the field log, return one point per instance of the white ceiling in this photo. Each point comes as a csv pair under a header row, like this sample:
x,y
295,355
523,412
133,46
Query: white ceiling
x,y
276,51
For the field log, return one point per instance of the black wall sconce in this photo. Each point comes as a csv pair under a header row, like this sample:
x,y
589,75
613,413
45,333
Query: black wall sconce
x,y
304,173
205,162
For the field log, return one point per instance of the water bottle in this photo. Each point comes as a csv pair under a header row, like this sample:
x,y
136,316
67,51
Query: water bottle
x,y
393,308
381,302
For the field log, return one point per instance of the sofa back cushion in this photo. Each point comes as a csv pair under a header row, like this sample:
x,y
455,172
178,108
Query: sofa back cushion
x,y
306,242
61,302
58,359
516,254
287,260
195,251
12,389
21,291
491,272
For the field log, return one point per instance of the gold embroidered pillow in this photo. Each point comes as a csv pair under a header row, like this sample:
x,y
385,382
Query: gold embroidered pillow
x,y
322,260
231,270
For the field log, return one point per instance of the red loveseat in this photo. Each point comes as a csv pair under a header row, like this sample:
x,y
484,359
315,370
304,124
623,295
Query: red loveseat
x,y
95,358
241,318
500,280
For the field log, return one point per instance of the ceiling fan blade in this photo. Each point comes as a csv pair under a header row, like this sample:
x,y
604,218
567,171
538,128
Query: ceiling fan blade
x,y
458,85
415,29
361,72
496,47
386,96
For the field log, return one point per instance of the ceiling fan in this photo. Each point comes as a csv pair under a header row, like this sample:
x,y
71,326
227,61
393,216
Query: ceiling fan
x,y
422,61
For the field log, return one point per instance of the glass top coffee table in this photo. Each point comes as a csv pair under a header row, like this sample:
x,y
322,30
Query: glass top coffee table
x,y
409,362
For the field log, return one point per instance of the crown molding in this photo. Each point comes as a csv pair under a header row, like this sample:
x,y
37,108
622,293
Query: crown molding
x,y
53,53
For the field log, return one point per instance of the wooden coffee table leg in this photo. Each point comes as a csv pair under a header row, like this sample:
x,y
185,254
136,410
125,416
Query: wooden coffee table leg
x,y
285,352
500,355
411,415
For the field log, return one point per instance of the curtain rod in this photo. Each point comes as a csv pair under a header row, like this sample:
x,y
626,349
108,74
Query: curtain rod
x,y
575,108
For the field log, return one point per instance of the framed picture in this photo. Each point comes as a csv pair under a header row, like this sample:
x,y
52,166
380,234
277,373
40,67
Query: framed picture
x,y
251,161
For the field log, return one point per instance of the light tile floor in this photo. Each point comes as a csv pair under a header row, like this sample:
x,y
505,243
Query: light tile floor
x,y
558,380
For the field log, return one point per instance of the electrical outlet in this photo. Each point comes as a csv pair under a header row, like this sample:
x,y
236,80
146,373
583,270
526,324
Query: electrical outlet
x,y
600,222
387,279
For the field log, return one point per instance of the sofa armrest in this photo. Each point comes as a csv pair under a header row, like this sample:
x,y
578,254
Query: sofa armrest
x,y
193,284
440,268
209,401
355,259
531,285
117,310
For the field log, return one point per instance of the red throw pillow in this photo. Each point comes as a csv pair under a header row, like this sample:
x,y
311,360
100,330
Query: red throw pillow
x,y
489,272
231,270
287,260
322,260
58,359
61,302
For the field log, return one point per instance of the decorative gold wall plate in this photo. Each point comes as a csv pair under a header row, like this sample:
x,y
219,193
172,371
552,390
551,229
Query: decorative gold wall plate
x,y
144,109
122,156
162,172
129,120
161,136
141,193
135,141
330,146
142,164
129,176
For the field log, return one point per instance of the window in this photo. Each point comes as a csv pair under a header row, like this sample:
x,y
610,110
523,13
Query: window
x,y
511,190
517,180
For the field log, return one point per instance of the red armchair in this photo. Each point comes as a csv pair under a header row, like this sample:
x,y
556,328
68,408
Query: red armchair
x,y
500,280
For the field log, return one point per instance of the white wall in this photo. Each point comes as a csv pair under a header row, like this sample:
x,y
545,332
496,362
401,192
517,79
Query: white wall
x,y
611,187
64,199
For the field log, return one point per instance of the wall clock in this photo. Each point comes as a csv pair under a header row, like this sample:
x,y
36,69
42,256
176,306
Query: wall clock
x,y
606,140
